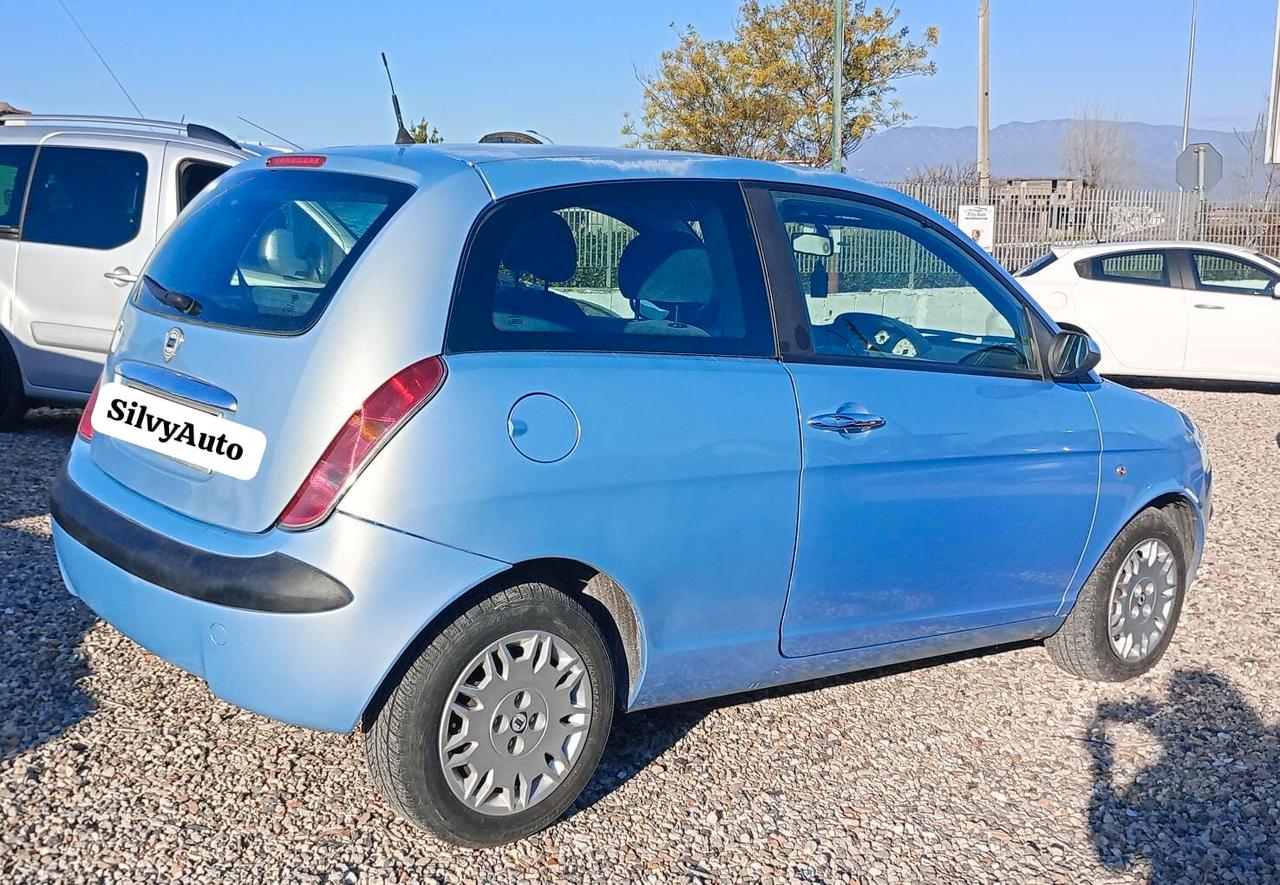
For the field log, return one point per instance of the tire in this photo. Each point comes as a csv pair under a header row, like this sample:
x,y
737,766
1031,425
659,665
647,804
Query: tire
x,y
1083,645
405,739
13,399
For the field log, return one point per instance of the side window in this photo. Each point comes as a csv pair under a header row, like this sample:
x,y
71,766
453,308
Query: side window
x,y
86,197
193,177
882,286
15,166
1224,273
1132,267
666,267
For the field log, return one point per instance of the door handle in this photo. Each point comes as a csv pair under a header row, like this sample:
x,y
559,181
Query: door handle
x,y
121,276
1210,307
842,423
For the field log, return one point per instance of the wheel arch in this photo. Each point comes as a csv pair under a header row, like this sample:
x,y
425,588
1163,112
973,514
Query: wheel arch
x,y
604,598
1179,504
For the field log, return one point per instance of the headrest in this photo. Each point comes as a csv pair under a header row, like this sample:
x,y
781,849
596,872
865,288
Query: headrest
x,y
668,267
543,248
279,253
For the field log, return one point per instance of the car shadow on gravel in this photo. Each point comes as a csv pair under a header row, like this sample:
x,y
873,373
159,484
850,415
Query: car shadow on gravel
x,y
639,739
1209,808
41,625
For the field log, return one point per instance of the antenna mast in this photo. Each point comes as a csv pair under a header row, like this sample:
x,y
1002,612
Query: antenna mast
x,y
402,134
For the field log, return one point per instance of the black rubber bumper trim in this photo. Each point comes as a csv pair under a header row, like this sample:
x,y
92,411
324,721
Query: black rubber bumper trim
x,y
271,583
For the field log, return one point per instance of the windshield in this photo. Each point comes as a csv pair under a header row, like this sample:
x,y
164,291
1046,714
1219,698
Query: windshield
x,y
266,251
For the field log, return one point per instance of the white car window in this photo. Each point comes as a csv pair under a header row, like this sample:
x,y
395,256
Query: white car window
x,y
1132,267
1225,273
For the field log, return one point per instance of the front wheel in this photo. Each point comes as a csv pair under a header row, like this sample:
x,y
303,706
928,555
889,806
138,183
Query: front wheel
x,y
498,724
1126,613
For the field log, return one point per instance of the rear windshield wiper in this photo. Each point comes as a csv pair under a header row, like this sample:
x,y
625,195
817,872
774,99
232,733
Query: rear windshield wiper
x,y
177,300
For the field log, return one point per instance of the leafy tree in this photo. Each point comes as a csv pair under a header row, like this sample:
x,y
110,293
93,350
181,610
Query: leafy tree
x,y
766,92
424,133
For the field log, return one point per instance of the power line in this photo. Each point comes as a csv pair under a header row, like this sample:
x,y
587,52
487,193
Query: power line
x,y
136,109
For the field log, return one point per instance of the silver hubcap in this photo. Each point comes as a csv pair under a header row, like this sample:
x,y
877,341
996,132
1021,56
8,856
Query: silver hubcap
x,y
1142,599
515,722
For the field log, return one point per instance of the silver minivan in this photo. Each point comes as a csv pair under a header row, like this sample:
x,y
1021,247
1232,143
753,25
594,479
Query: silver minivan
x,y
83,201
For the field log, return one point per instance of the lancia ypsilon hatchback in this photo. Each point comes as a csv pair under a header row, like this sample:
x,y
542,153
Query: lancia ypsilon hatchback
x,y
472,447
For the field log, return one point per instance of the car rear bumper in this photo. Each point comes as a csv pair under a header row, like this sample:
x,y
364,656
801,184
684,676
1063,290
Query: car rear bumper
x,y
164,579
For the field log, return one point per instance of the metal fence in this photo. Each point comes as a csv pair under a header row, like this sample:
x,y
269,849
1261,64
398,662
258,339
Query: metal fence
x,y
1028,224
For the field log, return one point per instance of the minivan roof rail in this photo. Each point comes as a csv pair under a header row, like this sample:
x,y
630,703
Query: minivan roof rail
x,y
191,130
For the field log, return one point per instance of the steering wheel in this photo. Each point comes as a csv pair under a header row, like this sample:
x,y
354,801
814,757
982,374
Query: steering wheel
x,y
875,333
997,356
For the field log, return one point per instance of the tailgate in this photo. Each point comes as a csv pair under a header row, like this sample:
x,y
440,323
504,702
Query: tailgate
x,y
272,304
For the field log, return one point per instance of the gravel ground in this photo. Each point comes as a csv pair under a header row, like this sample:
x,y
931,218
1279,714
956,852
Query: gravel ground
x,y
997,767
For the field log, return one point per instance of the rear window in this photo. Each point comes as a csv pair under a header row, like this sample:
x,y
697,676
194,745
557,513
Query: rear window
x,y
1038,265
266,251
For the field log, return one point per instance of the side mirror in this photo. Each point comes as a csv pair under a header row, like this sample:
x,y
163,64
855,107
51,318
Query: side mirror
x,y
812,244
1072,355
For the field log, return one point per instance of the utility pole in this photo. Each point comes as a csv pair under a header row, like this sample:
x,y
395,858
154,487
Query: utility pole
x,y
984,105
837,88
1191,65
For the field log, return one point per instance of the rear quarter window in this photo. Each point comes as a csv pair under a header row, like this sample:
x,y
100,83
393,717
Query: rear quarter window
x,y
648,267
266,250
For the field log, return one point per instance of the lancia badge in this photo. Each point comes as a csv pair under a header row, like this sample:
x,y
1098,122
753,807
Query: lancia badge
x,y
172,342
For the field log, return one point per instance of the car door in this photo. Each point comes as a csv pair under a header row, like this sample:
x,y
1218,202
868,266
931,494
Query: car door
x,y
90,223
1131,302
1233,315
946,484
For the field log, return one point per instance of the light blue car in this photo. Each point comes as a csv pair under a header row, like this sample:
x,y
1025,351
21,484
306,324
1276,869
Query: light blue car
x,y
473,447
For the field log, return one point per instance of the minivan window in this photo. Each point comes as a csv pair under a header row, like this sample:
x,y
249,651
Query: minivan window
x,y
90,198
193,177
661,267
15,166
266,250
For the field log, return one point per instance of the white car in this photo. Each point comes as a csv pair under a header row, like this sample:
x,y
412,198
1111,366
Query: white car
x,y
1175,309
82,202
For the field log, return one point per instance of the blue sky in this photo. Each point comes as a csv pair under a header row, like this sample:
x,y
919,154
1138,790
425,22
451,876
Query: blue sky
x,y
309,68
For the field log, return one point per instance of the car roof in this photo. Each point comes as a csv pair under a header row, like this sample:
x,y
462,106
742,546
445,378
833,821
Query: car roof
x,y
513,168
17,130
1092,250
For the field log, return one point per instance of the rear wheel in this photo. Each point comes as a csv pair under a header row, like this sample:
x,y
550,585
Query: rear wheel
x,y
13,400
1126,613
498,724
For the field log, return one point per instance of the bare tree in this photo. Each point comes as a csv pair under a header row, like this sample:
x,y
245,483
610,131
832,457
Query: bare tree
x,y
1258,180
1096,149
944,174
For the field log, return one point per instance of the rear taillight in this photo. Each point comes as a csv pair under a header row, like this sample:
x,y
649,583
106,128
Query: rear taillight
x,y
85,430
364,433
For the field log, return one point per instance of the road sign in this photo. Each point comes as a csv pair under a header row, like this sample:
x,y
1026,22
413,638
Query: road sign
x,y
1199,167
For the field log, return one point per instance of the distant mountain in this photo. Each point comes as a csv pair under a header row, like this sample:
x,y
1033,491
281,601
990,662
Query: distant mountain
x,y
1034,150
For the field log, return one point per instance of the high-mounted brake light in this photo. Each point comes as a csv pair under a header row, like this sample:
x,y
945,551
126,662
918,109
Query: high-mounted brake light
x,y
310,161
366,431
85,429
